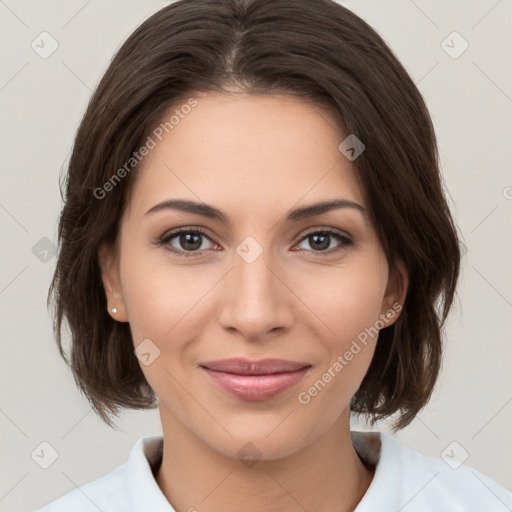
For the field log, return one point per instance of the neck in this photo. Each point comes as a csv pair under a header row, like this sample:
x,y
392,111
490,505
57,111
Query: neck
x,y
325,475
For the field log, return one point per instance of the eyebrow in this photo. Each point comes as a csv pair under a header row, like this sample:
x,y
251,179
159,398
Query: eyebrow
x,y
294,215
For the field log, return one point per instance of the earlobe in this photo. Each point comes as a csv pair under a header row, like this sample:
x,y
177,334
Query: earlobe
x,y
109,267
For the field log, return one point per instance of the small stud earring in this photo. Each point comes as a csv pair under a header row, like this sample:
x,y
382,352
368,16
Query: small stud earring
x,y
388,314
114,311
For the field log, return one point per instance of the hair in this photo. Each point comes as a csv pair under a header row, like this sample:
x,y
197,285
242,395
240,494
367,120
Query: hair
x,y
317,50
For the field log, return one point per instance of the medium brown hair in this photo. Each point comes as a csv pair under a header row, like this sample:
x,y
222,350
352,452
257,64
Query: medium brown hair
x,y
317,50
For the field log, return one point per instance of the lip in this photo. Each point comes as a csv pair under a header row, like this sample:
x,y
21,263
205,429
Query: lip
x,y
242,366
255,380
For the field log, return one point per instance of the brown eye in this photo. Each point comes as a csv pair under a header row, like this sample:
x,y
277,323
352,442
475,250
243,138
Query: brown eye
x,y
188,242
321,241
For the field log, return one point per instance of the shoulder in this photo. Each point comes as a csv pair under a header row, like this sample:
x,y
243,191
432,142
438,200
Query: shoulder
x,y
105,493
128,487
428,483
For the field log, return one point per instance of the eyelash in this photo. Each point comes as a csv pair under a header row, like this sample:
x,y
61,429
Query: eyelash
x,y
167,237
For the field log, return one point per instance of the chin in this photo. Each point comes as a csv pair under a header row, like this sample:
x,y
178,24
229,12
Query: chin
x,y
260,439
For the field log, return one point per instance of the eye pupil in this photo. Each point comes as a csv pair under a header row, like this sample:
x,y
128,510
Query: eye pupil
x,y
321,245
188,240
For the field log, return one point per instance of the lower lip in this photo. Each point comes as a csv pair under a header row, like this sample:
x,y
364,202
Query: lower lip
x,y
256,387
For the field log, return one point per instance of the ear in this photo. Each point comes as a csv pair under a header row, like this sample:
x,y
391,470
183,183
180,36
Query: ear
x,y
396,291
109,265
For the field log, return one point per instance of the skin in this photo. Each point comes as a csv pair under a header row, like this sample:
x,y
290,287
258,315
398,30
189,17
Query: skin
x,y
254,158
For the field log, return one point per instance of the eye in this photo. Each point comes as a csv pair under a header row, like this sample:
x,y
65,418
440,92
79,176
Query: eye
x,y
190,240
320,240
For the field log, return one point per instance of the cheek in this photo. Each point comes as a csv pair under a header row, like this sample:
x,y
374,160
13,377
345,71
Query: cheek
x,y
158,296
165,304
350,308
160,307
346,300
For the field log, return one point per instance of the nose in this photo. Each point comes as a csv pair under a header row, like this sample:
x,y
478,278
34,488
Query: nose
x,y
257,301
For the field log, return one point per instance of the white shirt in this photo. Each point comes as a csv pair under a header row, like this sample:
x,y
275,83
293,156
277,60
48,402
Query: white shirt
x,y
404,481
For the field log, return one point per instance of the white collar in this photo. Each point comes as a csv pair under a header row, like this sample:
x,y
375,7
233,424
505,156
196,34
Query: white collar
x,y
142,486
147,452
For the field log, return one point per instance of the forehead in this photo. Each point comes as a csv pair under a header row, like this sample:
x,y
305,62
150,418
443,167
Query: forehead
x,y
256,152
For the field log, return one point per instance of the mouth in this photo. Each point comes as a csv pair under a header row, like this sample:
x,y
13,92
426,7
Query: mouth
x,y
255,380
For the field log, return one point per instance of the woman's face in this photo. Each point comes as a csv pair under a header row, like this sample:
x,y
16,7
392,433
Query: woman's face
x,y
259,284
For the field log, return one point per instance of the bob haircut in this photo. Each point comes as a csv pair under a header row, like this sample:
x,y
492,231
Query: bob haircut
x,y
317,50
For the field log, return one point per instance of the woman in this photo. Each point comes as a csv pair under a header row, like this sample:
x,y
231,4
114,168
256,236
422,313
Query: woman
x,y
255,240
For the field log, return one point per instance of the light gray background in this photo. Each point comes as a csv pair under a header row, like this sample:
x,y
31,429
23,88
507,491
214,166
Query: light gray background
x,y
42,101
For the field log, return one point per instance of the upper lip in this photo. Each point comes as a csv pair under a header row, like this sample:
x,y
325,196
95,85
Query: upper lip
x,y
242,366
